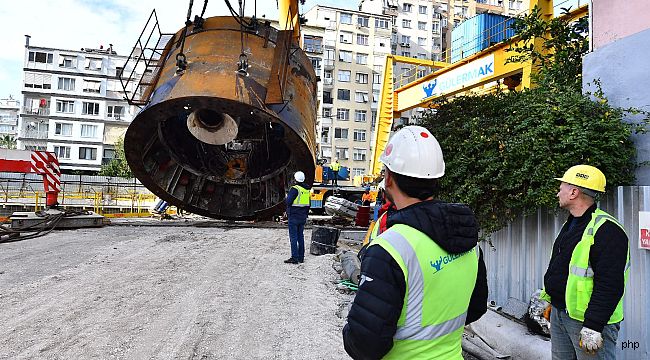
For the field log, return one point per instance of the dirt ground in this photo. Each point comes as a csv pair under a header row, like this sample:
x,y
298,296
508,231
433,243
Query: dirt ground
x,y
125,292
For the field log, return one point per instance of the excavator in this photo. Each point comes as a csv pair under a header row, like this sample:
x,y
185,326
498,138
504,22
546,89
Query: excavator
x,y
228,112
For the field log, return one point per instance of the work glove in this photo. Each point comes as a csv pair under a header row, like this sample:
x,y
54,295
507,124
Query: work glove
x,y
590,340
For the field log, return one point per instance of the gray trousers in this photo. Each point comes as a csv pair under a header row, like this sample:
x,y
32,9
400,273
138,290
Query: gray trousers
x,y
565,339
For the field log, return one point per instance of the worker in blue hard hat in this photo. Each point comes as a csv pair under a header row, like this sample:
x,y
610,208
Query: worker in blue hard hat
x,y
423,278
298,201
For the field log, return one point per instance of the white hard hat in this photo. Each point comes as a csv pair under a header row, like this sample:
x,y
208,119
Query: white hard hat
x,y
299,176
414,152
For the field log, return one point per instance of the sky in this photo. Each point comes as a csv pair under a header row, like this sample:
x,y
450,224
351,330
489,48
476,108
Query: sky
x,y
75,24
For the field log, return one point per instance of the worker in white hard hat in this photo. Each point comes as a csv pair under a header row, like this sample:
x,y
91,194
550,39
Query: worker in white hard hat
x,y
298,201
423,278
586,276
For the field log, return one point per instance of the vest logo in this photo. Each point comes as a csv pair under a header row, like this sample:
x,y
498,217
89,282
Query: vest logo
x,y
439,264
582,176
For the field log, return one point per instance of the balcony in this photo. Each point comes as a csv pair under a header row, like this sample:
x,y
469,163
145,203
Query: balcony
x,y
328,64
36,111
390,11
328,100
32,134
328,82
487,6
314,48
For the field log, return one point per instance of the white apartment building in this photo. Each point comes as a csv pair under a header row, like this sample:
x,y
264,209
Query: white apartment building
x,y
9,110
354,46
73,105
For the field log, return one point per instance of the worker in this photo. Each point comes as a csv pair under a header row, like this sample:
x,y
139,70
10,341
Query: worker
x,y
298,200
366,198
586,276
335,166
424,278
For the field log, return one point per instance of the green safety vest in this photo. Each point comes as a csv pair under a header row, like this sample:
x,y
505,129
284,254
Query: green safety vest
x,y
438,290
580,283
303,196
335,166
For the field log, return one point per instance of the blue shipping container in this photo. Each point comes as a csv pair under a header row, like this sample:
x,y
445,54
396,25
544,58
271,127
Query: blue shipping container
x,y
478,33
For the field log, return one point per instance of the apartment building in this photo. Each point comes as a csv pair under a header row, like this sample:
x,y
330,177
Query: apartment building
x,y
354,49
73,105
9,110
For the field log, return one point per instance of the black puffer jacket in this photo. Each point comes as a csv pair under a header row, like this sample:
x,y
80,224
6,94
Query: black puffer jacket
x,y
372,320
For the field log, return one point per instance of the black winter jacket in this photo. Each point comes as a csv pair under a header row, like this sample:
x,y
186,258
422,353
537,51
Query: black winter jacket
x,y
372,320
607,256
296,214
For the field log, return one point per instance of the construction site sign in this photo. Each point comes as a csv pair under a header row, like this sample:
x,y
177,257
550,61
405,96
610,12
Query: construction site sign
x,y
644,230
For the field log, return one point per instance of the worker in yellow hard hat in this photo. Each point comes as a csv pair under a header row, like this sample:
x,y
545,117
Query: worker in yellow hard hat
x,y
586,276
423,278
335,166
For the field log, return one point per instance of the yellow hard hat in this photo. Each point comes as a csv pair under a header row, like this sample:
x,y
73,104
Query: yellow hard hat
x,y
585,176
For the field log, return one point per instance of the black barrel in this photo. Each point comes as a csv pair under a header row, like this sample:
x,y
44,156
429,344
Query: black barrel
x,y
323,240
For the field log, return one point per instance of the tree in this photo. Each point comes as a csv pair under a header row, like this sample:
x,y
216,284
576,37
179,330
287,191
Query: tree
x,y
7,142
503,150
118,166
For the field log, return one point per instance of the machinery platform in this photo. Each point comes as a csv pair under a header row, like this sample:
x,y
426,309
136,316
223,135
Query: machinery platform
x,y
55,219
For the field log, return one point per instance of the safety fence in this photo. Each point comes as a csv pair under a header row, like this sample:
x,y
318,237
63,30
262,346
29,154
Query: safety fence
x,y
109,196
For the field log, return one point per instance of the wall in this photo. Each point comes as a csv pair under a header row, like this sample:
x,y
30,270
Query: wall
x,y
622,67
630,17
518,259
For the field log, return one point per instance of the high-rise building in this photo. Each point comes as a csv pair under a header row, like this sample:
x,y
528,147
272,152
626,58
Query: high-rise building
x,y
354,49
9,109
73,105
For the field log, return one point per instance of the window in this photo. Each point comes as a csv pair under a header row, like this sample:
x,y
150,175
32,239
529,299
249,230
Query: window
x,y
422,73
343,94
435,27
406,7
327,97
375,96
40,57
93,63
422,9
361,96
363,21
362,39
362,78
65,106
359,135
89,131
343,114
406,53
327,113
86,153
92,86
118,73
376,78
344,75
115,111
62,152
406,39
340,133
38,81
360,115
406,23
342,153
357,171
313,44
325,135
359,154
66,84
315,63
422,25
362,59
346,18
109,153
90,108
381,23
345,37
327,77
326,151
422,41
67,61
63,129
345,56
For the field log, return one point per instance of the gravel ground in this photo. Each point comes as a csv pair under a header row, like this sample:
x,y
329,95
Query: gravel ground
x,y
167,293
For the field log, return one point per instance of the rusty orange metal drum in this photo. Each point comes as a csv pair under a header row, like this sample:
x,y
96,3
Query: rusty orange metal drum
x,y
220,142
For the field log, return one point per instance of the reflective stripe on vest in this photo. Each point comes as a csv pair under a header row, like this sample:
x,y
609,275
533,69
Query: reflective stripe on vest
x,y
302,200
580,282
416,336
376,227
